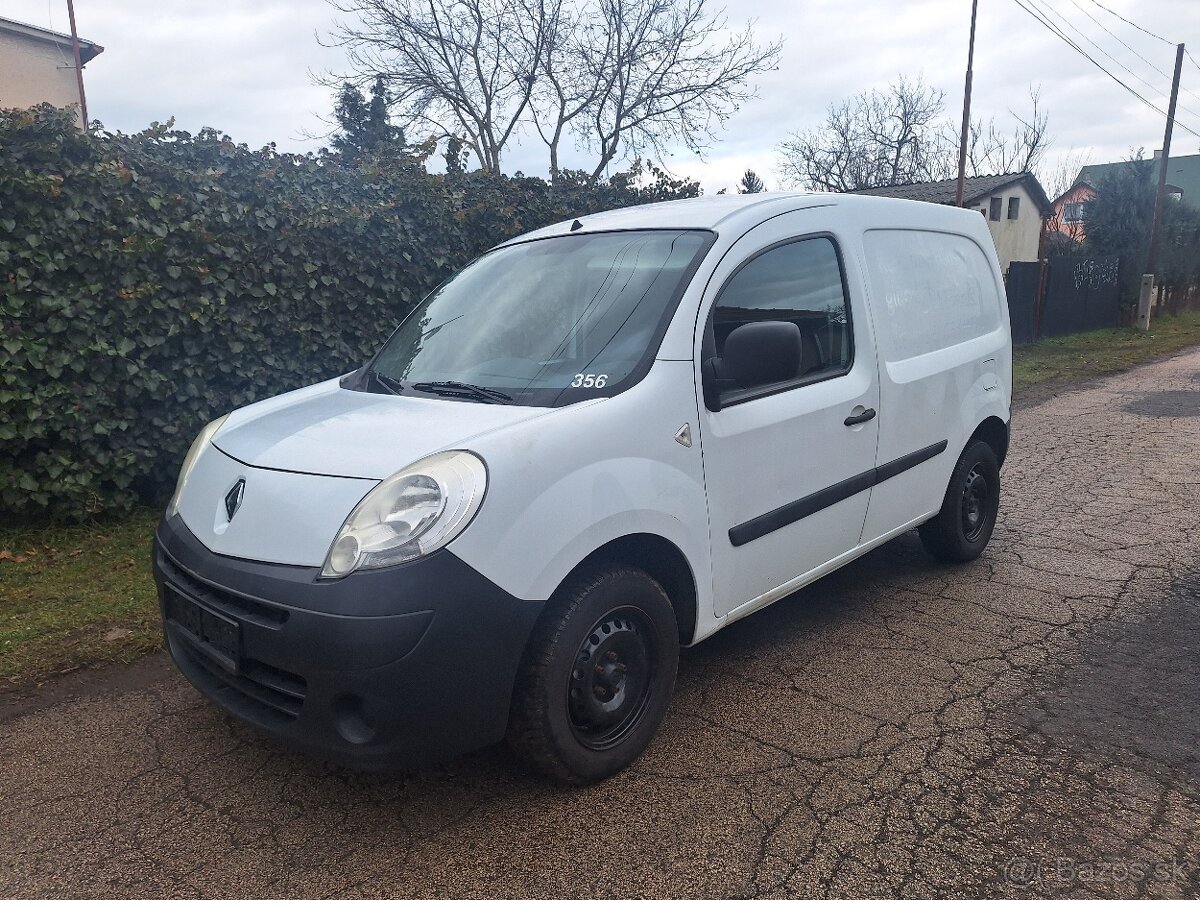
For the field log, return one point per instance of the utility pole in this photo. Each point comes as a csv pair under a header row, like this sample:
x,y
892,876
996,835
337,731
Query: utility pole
x,y
1146,295
966,126
78,63
1161,196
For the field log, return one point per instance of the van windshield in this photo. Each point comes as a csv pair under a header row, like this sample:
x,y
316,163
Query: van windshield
x,y
546,322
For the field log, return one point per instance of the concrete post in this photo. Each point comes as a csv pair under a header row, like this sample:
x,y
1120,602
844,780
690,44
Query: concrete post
x,y
1145,302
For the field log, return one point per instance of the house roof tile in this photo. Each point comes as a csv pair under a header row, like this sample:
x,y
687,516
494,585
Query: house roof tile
x,y
974,189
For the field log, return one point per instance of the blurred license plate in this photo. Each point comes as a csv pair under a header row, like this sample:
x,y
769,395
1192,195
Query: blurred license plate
x,y
214,632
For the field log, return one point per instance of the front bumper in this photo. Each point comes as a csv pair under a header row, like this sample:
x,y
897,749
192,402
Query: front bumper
x,y
384,669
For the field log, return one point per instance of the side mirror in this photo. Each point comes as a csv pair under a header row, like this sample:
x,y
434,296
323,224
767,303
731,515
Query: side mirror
x,y
756,354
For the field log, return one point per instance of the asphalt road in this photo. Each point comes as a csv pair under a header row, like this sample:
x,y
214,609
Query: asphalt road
x,y
1025,725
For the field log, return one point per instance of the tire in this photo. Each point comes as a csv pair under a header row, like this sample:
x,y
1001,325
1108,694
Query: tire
x,y
597,676
963,527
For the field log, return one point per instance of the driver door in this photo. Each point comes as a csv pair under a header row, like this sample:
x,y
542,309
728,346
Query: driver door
x,y
789,450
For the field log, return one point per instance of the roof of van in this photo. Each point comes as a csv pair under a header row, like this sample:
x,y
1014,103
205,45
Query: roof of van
x,y
742,210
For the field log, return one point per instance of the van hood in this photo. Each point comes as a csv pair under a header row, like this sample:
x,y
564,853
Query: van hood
x,y
328,430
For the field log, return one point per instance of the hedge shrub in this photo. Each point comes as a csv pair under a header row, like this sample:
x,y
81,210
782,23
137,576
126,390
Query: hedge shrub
x,y
151,282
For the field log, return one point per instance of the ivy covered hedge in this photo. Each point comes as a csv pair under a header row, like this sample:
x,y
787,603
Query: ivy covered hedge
x,y
151,282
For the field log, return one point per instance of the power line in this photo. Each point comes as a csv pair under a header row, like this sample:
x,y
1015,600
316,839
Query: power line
x,y
1068,23
1061,35
1134,52
1055,30
1114,36
1134,24
1127,47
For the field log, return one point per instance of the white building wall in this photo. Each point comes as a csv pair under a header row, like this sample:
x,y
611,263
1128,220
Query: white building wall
x,y
1016,239
34,71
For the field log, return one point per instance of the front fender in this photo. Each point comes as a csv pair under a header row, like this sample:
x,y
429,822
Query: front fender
x,y
565,485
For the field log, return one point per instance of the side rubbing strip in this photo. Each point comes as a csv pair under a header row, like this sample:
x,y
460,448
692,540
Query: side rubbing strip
x,y
799,509
906,462
814,503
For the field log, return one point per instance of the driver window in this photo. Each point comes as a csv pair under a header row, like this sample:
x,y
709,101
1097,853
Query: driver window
x,y
799,288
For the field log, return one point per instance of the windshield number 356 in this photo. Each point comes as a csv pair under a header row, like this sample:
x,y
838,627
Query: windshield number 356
x,y
589,380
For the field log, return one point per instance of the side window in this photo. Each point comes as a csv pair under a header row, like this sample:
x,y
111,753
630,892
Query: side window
x,y
782,319
994,207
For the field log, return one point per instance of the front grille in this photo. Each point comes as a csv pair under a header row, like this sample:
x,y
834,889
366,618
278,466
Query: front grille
x,y
259,692
236,605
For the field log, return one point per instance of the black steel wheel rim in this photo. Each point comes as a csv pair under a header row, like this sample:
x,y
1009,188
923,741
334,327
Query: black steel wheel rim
x,y
611,679
975,501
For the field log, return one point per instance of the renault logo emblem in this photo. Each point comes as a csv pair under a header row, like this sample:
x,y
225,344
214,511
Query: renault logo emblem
x,y
233,500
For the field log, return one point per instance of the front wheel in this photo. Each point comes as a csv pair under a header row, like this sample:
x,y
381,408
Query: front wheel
x,y
597,676
963,527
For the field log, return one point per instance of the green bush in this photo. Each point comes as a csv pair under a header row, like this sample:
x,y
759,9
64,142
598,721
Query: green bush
x,y
151,282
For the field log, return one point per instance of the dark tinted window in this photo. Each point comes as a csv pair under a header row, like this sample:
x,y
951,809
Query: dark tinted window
x,y
994,206
799,284
1014,207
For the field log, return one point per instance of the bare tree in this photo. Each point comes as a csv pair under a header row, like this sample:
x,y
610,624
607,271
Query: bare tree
x,y
660,74
621,78
878,138
562,92
897,136
464,68
1062,176
990,151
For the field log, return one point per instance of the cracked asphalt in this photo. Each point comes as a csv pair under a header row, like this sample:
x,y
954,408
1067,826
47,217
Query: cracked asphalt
x,y
1026,725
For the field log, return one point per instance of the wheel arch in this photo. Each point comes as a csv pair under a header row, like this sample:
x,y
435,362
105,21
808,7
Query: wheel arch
x,y
993,431
662,561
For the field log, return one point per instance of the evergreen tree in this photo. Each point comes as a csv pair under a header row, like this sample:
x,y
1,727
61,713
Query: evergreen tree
x,y
751,183
1118,220
365,127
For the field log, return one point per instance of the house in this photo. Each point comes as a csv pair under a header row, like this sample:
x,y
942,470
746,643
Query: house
x,y
1183,176
1014,205
38,66
1183,186
1067,219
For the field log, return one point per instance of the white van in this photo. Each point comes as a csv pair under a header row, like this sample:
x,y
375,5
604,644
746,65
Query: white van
x,y
595,444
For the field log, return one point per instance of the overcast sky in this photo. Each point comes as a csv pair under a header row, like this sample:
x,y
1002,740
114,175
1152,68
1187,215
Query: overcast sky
x,y
245,67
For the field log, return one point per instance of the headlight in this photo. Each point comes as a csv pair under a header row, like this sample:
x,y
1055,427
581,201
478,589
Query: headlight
x,y
414,512
203,439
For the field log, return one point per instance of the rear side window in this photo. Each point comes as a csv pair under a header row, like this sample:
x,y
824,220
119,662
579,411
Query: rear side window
x,y
929,290
798,283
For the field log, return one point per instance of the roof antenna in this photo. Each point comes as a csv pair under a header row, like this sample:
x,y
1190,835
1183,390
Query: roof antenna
x,y
576,225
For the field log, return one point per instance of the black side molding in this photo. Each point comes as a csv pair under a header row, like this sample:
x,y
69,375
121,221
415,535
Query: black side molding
x,y
907,461
835,493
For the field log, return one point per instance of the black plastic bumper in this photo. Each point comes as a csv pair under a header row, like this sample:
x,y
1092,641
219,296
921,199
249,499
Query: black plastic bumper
x,y
383,669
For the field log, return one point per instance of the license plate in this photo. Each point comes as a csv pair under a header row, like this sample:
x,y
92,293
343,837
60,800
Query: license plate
x,y
212,632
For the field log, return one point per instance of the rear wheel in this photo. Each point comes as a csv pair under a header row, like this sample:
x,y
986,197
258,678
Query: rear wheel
x,y
597,676
964,525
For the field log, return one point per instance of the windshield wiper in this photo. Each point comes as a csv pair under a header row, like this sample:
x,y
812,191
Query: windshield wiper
x,y
463,389
387,382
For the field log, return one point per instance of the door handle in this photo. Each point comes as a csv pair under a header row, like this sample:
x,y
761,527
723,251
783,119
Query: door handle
x,y
865,416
